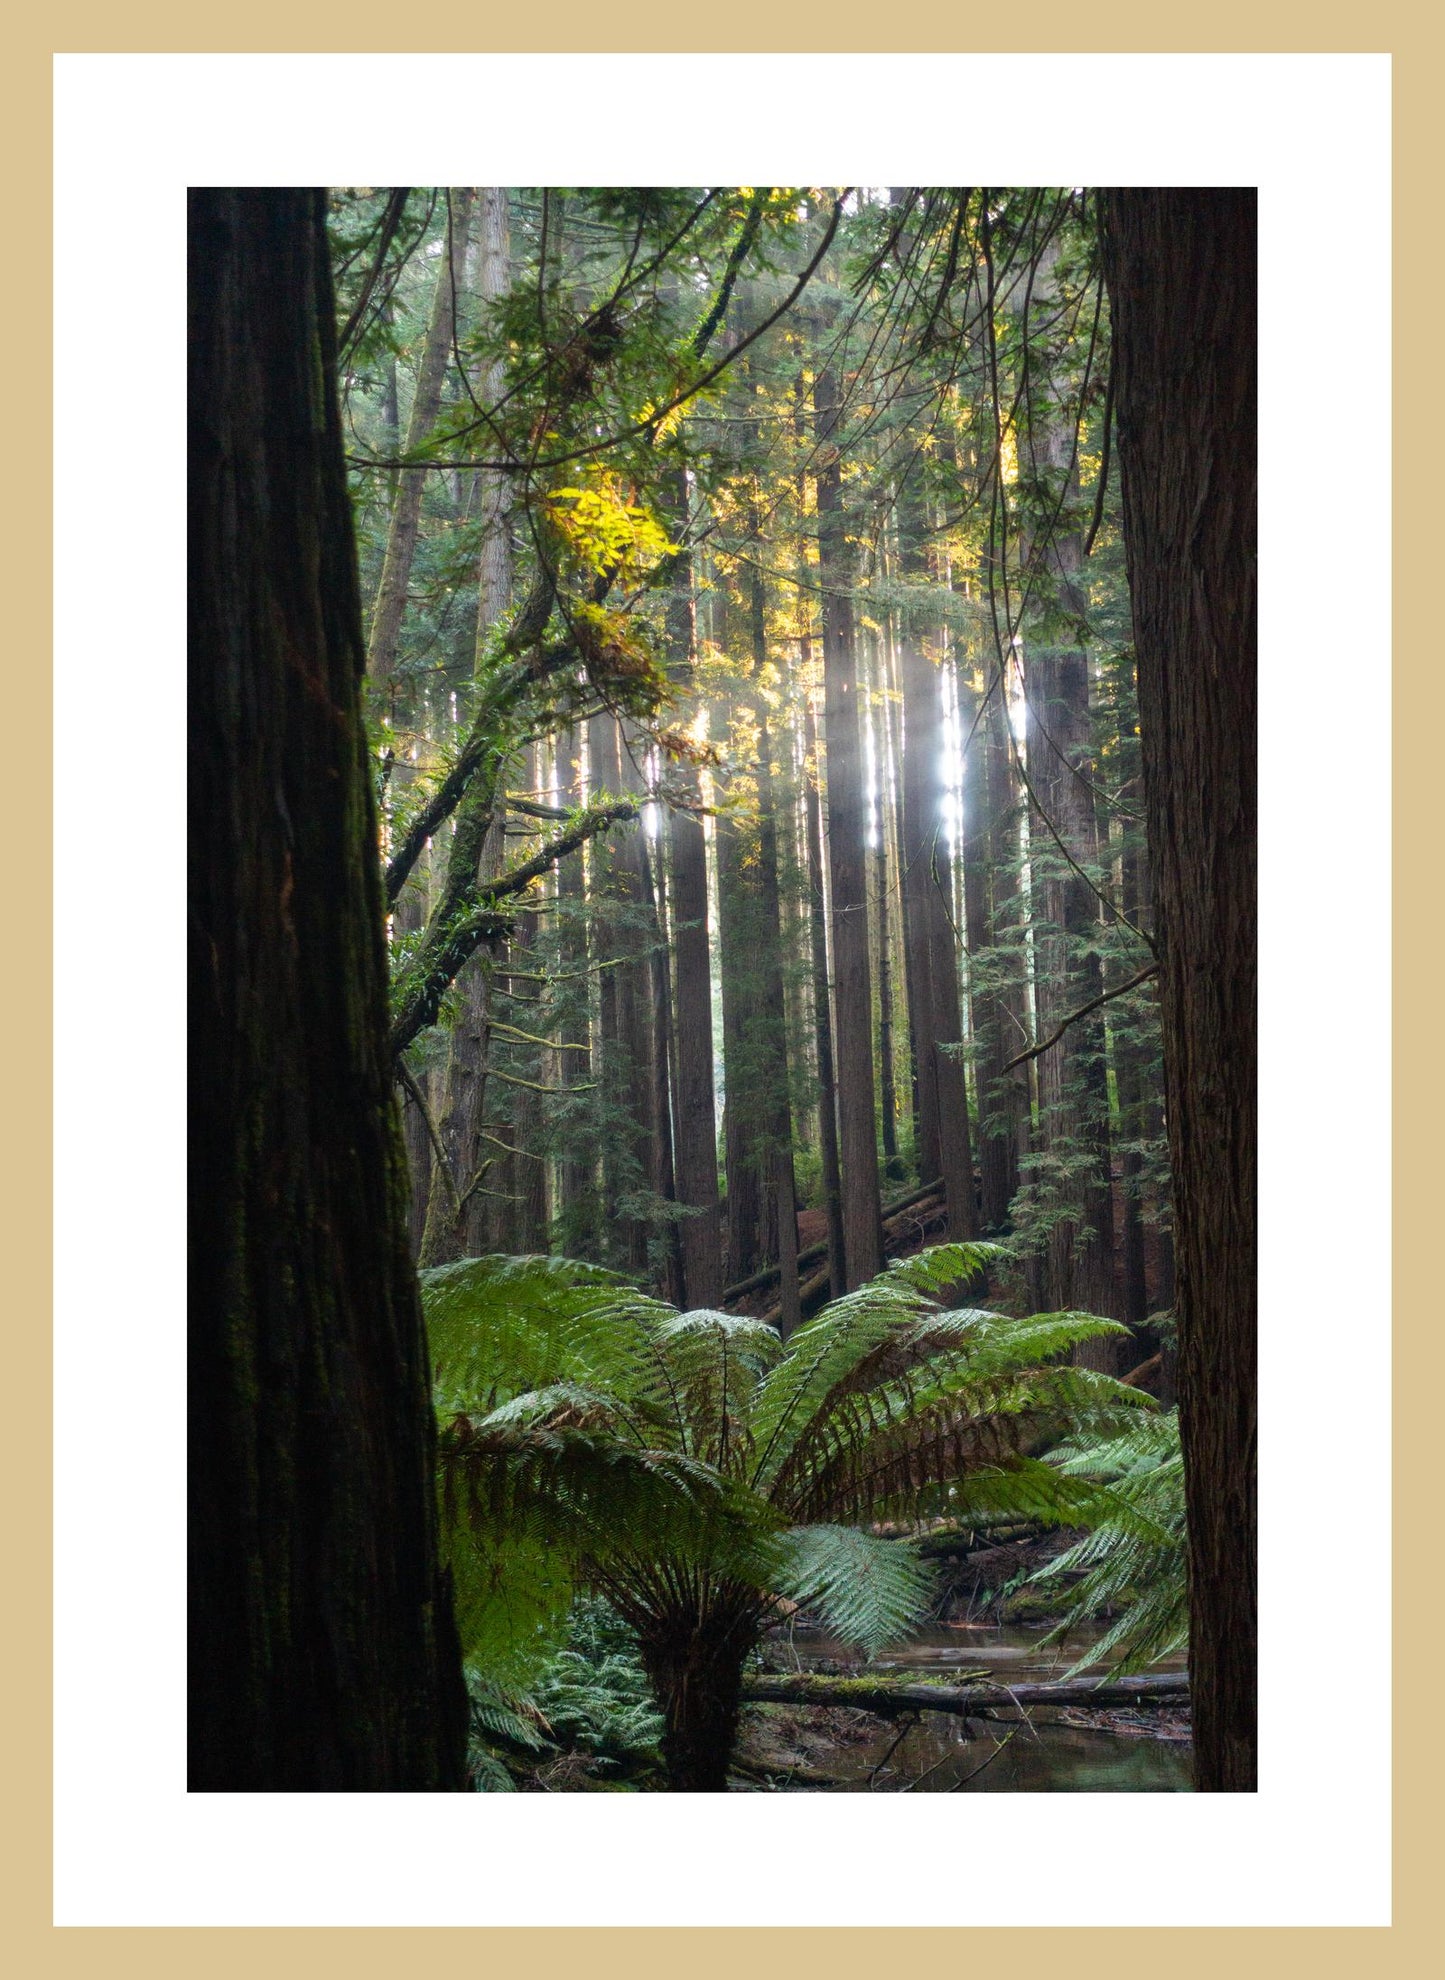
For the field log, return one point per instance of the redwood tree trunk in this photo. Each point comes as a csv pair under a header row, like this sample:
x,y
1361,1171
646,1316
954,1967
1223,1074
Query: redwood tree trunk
x,y
847,862
694,1107
321,1650
1182,286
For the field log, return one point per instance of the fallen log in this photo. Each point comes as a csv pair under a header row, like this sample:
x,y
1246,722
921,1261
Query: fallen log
x,y
814,1252
980,1536
977,1695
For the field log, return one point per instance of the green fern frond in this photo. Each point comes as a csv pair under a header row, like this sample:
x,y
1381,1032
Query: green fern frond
x,y
716,1361
870,1449
505,1715
488,1774
865,1589
1135,1562
499,1327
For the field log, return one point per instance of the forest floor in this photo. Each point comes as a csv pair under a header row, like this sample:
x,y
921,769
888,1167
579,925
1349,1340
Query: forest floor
x,y
987,1616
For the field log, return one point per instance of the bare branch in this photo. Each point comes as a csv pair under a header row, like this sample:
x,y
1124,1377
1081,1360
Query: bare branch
x,y
1037,1051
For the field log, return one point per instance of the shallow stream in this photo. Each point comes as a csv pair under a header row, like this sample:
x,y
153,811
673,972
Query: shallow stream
x,y
939,1754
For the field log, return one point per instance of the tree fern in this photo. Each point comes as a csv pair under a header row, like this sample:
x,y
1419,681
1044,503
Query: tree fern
x,y
1135,1560
691,1469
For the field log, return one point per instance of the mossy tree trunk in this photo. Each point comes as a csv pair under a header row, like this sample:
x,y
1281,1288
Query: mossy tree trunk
x,y
322,1655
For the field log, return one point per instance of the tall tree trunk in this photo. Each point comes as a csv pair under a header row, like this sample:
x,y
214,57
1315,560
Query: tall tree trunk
x,y
572,1015
1129,1078
823,1017
636,1033
1072,1077
920,735
696,1110
1073,1088
781,1181
935,1004
881,893
997,1142
740,947
390,603
847,858
1182,286
470,1218
322,1656
664,1060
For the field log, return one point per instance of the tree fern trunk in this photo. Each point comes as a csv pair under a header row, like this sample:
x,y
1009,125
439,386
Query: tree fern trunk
x,y
694,1662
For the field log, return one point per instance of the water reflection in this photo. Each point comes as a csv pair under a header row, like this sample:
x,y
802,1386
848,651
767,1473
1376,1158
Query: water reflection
x,y
939,1754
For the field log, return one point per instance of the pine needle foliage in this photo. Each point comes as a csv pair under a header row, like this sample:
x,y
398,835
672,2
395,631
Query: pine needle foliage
x,y
693,1471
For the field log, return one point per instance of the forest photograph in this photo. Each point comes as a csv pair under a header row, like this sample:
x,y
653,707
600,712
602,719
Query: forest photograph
x,y
721,907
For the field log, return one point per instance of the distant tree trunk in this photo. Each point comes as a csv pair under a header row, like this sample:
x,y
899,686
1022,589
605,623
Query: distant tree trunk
x,y
779,1124
881,891
1073,1086
1129,1079
636,1034
694,1104
576,1180
740,943
935,1000
469,1217
1009,906
696,1109
816,901
997,1144
664,1059
322,1655
847,857
390,603
1073,1089
615,1149
1182,285
822,1014
920,735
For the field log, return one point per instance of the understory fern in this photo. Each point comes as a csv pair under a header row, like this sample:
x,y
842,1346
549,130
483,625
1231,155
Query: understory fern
x,y
1135,1560
691,1470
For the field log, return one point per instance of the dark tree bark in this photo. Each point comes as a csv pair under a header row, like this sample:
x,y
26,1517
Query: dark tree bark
x,y
694,1662
694,1106
847,860
322,1655
577,1177
880,890
997,1091
781,1181
1181,268
637,1035
822,1013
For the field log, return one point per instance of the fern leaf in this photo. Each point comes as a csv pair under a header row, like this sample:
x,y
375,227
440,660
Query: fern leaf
x,y
867,1590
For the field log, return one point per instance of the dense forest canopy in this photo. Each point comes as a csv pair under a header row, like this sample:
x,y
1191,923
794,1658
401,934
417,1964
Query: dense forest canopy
x,y
783,517
803,766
